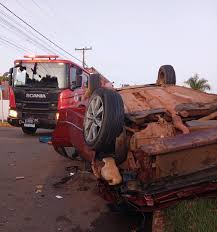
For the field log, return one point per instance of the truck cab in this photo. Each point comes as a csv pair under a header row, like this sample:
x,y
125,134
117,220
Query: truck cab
x,y
37,87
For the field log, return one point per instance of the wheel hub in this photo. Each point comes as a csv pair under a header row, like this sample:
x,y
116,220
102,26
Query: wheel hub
x,y
93,119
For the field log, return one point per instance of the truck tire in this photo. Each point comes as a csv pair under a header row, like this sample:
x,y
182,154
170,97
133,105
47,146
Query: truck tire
x,y
166,75
29,130
104,120
94,83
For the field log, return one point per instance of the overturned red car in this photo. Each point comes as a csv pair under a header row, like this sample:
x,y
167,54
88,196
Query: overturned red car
x,y
149,145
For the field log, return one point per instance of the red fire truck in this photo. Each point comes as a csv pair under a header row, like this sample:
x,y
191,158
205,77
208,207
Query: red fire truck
x,y
39,85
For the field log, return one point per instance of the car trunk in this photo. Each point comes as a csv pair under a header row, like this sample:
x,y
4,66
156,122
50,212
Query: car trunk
x,y
172,148
184,156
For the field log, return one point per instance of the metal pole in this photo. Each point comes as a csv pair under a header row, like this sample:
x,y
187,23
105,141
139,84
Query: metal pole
x,y
2,104
83,58
83,54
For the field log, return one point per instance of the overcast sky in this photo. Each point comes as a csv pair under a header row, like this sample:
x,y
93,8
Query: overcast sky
x,y
130,39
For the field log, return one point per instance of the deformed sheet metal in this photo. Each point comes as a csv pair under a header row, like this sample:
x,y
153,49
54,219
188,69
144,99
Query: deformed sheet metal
x,y
181,142
166,97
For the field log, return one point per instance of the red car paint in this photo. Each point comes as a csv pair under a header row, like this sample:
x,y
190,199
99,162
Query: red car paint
x,y
69,130
69,133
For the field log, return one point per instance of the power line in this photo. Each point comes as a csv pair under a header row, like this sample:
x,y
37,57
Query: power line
x,y
36,4
38,32
16,30
20,30
14,44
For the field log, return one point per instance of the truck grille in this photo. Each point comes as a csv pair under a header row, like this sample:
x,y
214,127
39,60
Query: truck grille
x,y
39,115
36,106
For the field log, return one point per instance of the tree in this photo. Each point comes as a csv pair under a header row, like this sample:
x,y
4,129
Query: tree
x,y
197,83
3,78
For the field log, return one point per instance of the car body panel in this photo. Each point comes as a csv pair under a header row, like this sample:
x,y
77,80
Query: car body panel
x,y
166,160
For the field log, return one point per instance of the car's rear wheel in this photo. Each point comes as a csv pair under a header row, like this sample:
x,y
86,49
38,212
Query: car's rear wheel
x,y
29,130
166,75
103,120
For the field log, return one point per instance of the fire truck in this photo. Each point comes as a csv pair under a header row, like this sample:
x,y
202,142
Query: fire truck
x,y
38,85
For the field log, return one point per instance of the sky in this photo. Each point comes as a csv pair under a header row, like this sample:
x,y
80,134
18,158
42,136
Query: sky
x,y
130,39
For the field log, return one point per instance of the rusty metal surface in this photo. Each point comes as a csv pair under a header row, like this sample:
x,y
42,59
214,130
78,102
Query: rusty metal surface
x,y
181,142
167,159
166,97
201,125
154,130
177,156
185,162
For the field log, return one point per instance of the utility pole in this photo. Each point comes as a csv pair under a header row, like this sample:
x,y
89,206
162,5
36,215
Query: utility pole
x,y
83,54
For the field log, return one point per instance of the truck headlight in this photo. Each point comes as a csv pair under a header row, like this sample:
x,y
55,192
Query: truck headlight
x,y
13,113
57,116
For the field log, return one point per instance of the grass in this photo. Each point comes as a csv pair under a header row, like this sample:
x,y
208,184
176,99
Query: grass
x,y
192,216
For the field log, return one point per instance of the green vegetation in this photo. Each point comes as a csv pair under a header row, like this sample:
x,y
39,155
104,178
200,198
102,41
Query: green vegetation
x,y
198,83
192,216
3,78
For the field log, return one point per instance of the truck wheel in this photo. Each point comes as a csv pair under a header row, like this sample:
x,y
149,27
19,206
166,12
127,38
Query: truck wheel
x,y
166,75
29,130
104,119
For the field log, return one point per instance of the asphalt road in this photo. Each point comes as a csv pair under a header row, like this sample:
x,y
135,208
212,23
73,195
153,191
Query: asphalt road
x,y
29,203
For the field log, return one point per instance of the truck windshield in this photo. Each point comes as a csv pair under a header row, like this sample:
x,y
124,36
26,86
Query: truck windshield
x,y
40,75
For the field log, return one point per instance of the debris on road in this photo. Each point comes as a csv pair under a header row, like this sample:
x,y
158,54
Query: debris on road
x,y
83,189
45,139
39,188
12,164
72,171
20,177
62,181
59,197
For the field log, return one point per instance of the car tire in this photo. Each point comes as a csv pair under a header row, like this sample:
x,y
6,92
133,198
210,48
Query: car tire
x,y
29,130
166,75
104,120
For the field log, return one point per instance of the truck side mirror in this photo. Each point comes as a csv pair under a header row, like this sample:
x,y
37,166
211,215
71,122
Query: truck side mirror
x,y
11,76
78,81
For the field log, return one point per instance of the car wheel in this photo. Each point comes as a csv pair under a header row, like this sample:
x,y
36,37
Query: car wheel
x,y
104,120
29,130
166,75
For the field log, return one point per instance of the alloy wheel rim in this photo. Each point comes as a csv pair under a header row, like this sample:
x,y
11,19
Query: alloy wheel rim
x,y
94,118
